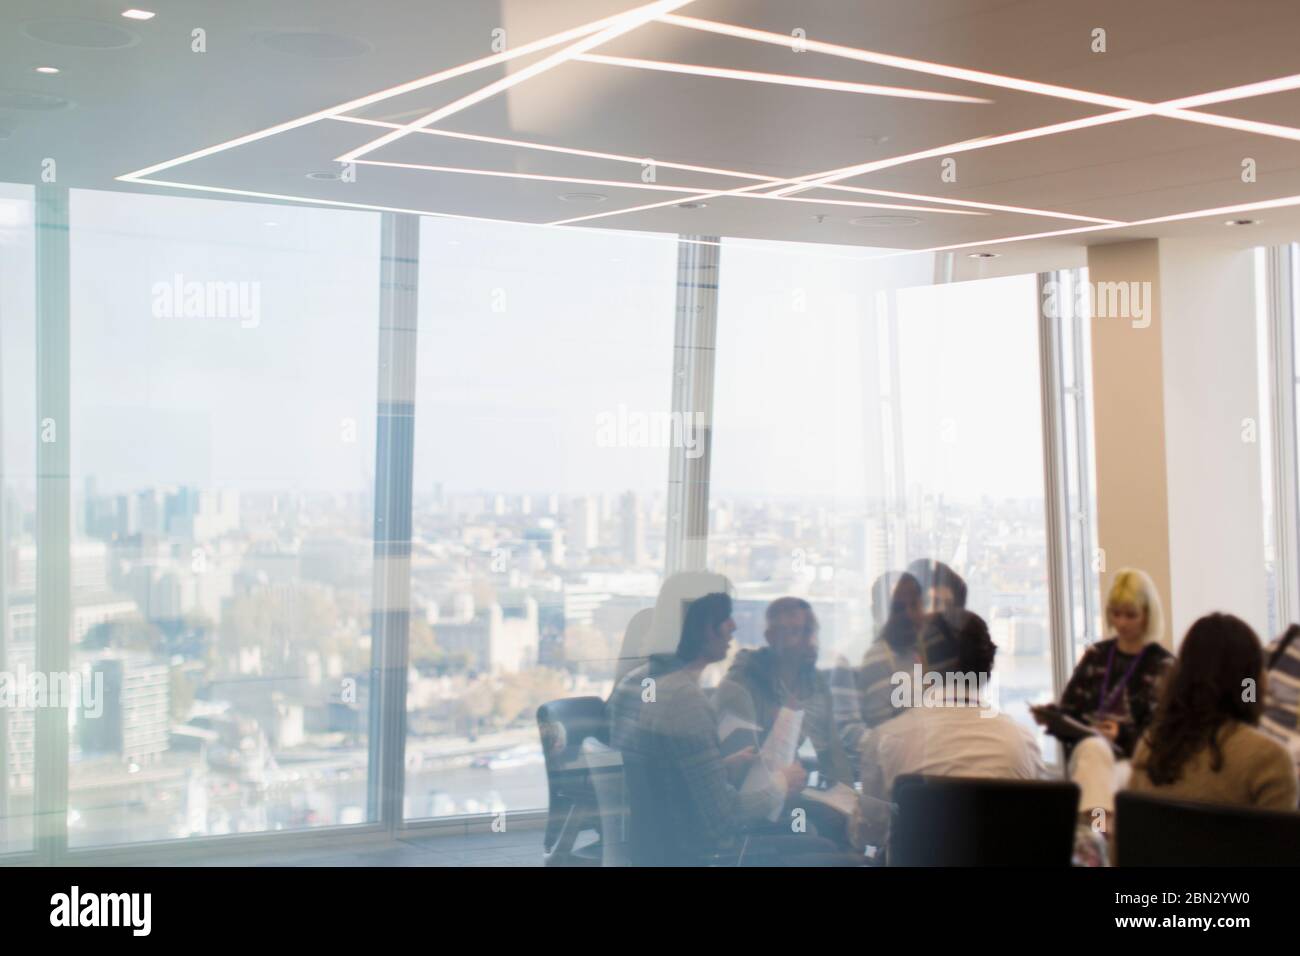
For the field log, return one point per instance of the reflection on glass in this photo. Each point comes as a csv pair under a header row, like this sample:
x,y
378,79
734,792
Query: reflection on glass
x,y
544,374
223,395
17,506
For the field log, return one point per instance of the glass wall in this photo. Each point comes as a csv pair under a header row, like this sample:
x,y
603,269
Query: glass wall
x,y
223,378
223,407
973,463
867,420
17,510
544,379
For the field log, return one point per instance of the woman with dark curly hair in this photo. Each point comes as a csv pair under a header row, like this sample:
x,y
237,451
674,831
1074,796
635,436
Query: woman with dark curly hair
x,y
1204,743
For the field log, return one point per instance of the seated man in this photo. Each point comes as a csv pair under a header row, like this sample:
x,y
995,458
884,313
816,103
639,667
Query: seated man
x,y
783,674
683,809
953,731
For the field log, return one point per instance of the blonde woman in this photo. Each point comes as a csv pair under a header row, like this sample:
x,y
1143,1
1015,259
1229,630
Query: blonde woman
x,y
1111,697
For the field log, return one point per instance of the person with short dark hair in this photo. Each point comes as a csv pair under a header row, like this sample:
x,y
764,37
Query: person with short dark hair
x,y
949,728
783,673
1205,743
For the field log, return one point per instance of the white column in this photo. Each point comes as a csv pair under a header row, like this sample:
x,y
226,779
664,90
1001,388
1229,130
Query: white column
x,y
1212,441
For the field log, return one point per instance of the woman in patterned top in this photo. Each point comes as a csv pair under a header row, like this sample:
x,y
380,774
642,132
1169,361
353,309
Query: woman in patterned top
x,y
1114,690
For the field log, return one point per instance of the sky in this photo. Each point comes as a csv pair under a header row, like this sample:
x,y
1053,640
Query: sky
x,y
527,339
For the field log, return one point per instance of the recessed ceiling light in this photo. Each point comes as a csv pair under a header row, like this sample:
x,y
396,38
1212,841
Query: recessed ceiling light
x,y
878,221
583,197
1241,222
80,33
47,69
270,225
983,255
134,14
691,205
325,176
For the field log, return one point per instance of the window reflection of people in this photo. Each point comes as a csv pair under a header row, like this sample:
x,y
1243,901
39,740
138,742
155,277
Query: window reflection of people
x,y
862,694
1111,697
656,632
958,735
684,809
1205,743
783,674
944,589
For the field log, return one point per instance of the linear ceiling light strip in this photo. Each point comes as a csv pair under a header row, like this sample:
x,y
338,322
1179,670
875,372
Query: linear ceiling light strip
x,y
780,79
715,171
363,101
506,174
623,23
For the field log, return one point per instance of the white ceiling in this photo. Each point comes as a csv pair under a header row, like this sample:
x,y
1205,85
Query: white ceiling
x,y
143,98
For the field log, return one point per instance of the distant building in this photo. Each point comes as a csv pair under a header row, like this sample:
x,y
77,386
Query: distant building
x,y
583,523
135,719
632,530
497,641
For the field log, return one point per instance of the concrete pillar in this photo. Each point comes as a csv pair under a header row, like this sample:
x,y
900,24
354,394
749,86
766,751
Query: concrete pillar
x,y
1175,393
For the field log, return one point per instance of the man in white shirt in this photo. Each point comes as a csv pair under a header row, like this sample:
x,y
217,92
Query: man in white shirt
x,y
950,728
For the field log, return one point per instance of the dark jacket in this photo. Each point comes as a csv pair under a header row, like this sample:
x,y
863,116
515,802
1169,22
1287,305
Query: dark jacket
x,y
1136,697
750,693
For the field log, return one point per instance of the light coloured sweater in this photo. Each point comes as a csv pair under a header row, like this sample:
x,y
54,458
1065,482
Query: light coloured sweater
x,y
1256,771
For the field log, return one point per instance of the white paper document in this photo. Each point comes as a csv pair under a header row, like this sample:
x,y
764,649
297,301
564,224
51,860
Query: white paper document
x,y
840,797
776,754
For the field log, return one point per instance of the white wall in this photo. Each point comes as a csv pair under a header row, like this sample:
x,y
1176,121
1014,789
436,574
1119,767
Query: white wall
x,y
1216,520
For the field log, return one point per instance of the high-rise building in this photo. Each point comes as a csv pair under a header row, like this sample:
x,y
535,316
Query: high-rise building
x,y
632,530
583,523
131,717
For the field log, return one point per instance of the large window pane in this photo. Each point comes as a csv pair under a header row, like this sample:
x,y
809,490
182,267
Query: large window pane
x,y
223,401
545,361
973,452
866,419
17,508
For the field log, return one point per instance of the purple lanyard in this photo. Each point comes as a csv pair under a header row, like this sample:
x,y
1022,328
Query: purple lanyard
x,y
1104,700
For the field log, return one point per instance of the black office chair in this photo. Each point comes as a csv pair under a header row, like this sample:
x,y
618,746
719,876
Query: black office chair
x,y
1155,831
572,807
965,821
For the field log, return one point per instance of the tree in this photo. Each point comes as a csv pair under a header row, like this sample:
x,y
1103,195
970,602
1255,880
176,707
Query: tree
x,y
284,622
424,648
588,650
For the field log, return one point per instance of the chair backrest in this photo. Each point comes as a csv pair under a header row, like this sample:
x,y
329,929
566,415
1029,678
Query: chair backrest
x,y
966,821
1155,831
650,837
605,769
563,725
